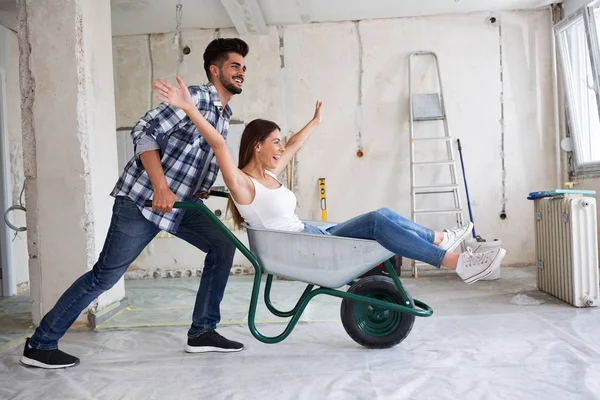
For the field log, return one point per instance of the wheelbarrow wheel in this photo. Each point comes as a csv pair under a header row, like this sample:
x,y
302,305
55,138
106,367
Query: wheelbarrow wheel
x,y
371,326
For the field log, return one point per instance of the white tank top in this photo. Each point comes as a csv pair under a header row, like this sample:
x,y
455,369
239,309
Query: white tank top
x,y
271,208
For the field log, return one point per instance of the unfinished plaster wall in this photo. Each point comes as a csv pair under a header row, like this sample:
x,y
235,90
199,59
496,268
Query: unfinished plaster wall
x,y
10,65
498,89
69,145
99,145
530,127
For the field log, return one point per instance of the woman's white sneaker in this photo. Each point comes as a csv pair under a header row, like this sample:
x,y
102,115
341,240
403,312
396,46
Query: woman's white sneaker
x,y
476,266
454,237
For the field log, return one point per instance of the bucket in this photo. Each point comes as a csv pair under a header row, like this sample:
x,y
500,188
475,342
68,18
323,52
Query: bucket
x,y
480,247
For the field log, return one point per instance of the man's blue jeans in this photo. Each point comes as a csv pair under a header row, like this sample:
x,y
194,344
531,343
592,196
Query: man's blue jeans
x,y
128,235
394,232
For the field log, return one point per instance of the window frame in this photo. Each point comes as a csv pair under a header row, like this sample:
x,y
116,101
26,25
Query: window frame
x,y
585,13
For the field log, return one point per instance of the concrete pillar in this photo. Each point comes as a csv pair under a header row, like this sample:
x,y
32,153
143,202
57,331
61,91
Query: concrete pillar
x,y
69,141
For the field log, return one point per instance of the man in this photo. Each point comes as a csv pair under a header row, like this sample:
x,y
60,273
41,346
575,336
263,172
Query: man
x,y
172,162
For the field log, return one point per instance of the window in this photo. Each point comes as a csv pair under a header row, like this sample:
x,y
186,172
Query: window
x,y
577,39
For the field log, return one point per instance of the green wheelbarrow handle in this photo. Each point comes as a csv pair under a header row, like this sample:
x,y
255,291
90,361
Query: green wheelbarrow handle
x,y
225,195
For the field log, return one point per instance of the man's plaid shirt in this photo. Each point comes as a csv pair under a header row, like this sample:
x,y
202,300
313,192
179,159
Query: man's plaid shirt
x,y
187,159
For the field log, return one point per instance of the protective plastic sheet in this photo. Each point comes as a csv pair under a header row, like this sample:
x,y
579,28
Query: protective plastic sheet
x,y
476,346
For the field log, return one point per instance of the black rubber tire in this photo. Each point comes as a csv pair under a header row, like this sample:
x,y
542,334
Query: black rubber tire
x,y
373,327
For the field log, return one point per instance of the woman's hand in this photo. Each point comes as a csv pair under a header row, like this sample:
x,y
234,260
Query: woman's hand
x,y
317,117
176,96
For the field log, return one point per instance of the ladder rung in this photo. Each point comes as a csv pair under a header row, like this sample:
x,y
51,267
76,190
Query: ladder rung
x,y
437,139
448,211
436,118
445,162
427,107
434,189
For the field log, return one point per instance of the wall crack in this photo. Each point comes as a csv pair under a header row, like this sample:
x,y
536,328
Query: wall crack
x,y
502,125
361,71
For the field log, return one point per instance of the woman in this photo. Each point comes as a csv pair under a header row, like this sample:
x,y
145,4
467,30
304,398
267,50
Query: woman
x,y
261,201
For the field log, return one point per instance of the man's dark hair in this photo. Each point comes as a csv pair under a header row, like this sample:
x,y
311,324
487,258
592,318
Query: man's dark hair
x,y
217,52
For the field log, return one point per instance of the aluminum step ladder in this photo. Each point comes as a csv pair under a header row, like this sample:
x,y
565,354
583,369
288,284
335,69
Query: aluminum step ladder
x,y
430,107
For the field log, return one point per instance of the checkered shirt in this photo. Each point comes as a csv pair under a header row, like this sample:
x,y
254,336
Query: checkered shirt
x,y
187,160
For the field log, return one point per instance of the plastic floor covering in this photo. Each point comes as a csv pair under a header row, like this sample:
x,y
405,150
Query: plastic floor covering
x,y
492,340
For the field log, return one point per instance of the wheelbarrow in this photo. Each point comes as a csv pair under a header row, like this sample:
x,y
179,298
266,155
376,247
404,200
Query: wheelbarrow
x,y
376,311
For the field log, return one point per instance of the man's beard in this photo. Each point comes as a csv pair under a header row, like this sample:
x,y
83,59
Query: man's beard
x,y
231,88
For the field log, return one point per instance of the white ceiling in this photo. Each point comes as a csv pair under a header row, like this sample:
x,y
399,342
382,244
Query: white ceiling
x,y
155,16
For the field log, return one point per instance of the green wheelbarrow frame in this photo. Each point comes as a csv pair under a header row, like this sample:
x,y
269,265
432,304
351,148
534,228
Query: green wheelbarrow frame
x,y
419,309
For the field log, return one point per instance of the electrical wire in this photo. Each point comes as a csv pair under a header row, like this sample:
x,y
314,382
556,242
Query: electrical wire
x,y
20,207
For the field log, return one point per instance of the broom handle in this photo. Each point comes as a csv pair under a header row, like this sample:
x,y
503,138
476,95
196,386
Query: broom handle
x,y
462,164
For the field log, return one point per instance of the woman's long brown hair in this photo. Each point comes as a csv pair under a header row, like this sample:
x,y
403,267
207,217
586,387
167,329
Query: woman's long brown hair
x,y
257,131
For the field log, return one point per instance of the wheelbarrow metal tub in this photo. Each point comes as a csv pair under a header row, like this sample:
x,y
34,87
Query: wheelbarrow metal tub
x,y
322,260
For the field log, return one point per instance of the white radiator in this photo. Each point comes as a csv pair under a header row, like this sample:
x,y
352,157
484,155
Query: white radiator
x,y
566,240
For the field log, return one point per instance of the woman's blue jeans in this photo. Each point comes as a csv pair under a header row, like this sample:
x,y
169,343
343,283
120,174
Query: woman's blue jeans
x,y
394,232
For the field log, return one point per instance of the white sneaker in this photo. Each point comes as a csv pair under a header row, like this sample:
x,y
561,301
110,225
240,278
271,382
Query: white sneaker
x,y
477,266
455,236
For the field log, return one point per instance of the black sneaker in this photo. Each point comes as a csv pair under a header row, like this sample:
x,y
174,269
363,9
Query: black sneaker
x,y
49,359
212,341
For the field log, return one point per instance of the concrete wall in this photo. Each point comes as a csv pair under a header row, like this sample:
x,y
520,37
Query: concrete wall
x,y
360,72
529,128
70,155
9,62
101,144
